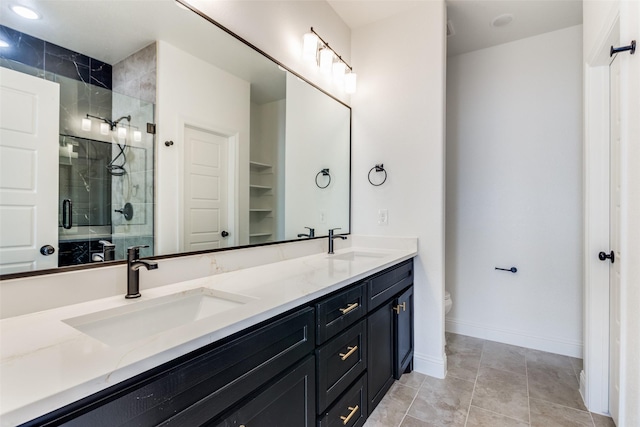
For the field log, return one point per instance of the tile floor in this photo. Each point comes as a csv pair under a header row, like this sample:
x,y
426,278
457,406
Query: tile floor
x,y
490,384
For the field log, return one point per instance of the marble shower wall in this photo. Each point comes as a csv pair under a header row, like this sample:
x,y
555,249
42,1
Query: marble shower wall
x,y
134,93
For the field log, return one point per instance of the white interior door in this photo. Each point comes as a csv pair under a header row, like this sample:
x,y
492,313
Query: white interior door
x,y
206,201
614,240
29,121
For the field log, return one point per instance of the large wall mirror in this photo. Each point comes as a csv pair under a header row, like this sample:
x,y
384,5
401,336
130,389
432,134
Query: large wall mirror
x,y
143,123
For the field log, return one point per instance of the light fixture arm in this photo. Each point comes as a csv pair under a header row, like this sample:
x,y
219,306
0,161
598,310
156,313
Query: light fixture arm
x,y
326,45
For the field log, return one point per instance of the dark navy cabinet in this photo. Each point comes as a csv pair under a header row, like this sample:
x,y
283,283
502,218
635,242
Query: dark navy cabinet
x,y
327,363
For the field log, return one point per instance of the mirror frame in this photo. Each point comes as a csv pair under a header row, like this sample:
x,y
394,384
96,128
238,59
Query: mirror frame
x,y
79,267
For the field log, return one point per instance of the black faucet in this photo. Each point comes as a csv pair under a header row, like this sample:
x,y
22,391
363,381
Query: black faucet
x,y
133,265
312,233
332,237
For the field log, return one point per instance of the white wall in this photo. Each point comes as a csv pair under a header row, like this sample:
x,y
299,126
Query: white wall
x,y
317,137
277,26
398,120
514,192
187,90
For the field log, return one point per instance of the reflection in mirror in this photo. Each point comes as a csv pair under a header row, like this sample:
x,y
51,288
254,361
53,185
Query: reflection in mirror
x,y
167,132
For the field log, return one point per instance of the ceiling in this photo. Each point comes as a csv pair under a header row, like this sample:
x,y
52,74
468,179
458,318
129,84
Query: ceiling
x,y
471,19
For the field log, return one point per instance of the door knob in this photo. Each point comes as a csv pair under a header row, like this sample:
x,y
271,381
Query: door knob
x,y
224,233
603,256
47,250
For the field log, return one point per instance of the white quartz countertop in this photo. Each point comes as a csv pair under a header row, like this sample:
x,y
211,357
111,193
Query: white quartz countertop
x,y
46,363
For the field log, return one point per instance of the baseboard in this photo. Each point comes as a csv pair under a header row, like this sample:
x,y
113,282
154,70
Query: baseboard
x,y
583,387
428,365
549,344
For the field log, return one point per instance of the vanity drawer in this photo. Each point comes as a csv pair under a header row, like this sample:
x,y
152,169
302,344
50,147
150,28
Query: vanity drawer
x,y
339,363
351,407
198,387
387,284
339,311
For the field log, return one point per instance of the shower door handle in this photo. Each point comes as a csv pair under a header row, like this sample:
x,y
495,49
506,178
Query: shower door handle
x,y
67,214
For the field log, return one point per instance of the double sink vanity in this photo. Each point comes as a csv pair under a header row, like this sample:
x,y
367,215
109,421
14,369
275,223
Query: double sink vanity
x,y
314,340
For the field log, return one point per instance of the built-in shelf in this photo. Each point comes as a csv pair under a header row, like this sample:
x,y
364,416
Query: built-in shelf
x,y
258,165
260,187
262,193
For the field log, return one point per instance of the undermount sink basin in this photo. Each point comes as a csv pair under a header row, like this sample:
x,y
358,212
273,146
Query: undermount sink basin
x,y
356,256
122,325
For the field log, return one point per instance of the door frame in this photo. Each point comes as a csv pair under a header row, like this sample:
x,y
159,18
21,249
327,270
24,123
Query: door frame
x,y
233,171
594,378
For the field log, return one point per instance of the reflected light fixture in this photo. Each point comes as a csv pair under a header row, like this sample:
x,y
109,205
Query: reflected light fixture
x,y
86,124
25,12
104,128
315,49
122,132
3,43
137,136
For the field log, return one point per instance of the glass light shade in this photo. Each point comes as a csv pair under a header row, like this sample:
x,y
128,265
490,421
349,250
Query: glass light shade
x,y
326,61
122,132
25,12
310,47
104,128
86,124
350,83
3,43
137,136
338,70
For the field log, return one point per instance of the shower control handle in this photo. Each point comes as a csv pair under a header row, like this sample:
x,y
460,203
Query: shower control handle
x,y
611,256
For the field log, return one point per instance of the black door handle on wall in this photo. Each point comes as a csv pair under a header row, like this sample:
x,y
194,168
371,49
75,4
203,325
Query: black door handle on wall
x,y
224,233
67,214
603,256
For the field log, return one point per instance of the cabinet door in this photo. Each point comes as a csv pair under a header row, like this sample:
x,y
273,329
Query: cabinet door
x,y
380,351
403,325
288,402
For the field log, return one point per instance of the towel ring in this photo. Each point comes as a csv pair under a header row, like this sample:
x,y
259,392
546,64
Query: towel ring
x,y
377,168
323,172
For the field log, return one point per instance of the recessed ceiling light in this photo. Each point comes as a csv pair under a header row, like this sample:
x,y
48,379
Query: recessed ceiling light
x,y
502,20
3,43
25,12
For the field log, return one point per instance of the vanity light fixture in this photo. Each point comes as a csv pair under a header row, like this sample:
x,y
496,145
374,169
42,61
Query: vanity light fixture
x,y
25,12
86,124
315,49
104,128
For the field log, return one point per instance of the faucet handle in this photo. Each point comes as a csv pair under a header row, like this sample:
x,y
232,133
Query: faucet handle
x,y
133,252
312,231
331,230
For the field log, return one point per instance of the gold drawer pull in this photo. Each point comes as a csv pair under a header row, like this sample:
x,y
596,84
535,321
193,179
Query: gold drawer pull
x,y
349,308
346,419
344,356
399,306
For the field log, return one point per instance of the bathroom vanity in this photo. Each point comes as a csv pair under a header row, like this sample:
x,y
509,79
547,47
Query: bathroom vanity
x,y
313,340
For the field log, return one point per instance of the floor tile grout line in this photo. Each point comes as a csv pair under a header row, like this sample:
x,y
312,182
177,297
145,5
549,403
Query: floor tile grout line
x,y
413,400
526,371
502,415
474,386
560,404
